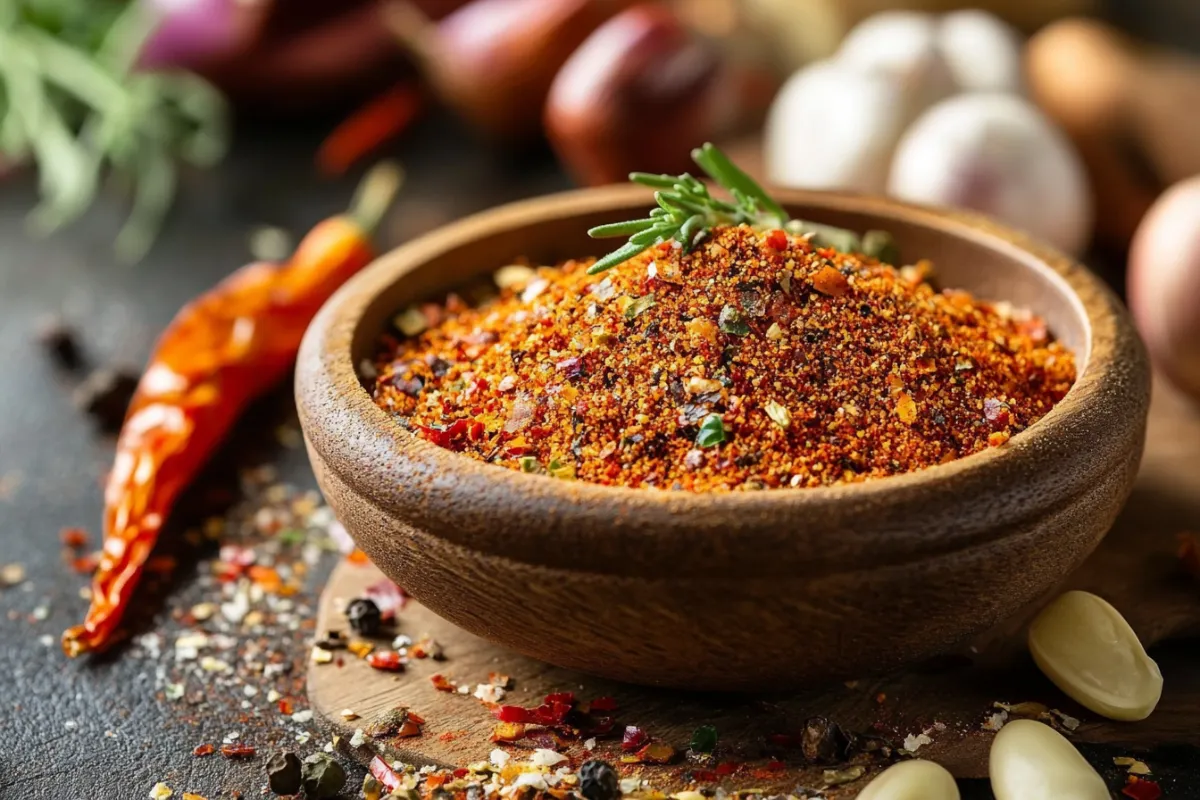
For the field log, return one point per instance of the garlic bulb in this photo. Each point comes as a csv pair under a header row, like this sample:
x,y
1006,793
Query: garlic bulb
x,y
903,44
831,127
996,153
1032,761
912,780
982,51
1089,651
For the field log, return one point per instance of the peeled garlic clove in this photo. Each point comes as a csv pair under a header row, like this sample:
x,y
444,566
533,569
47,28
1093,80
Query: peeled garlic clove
x,y
1032,761
998,154
912,780
982,51
831,127
1089,651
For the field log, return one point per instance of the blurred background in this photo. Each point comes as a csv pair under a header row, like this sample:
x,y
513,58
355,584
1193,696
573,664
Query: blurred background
x,y
1074,120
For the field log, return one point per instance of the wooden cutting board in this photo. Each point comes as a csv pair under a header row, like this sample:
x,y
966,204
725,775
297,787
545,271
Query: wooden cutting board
x,y
1136,567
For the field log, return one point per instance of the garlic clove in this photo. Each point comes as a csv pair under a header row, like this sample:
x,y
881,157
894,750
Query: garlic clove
x,y
998,154
1089,651
831,127
912,780
982,51
1032,761
905,45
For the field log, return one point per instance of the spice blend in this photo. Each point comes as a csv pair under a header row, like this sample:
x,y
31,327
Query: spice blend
x,y
758,360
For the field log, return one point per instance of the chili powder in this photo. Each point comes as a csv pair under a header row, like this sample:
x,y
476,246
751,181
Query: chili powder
x,y
755,361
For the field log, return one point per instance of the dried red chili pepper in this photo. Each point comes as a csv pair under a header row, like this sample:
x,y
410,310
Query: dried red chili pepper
x,y
222,350
384,774
634,738
603,704
379,120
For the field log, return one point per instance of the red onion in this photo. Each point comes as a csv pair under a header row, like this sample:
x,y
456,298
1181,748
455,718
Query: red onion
x,y
187,32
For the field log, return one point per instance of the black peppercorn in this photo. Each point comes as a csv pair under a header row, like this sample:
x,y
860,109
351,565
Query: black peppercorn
x,y
364,616
60,342
598,781
283,773
823,741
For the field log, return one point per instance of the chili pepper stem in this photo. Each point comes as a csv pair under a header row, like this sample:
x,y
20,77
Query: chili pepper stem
x,y
375,194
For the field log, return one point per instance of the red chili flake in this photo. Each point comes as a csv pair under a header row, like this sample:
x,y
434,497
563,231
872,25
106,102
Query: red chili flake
x,y
633,738
727,768
237,751
415,717
508,732
512,714
704,776
997,413
384,774
603,704
202,750
285,706
1142,789
776,766
461,772
560,697
436,779
550,714
426,648
386,660
86,564
358,557
388,596
74,538
777,239
448,736
442,683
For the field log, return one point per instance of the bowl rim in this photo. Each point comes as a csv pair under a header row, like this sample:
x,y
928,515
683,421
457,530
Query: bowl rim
x,y
1114,371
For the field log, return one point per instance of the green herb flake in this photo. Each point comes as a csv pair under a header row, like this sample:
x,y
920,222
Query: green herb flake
x,y
638,306
712,431
530,464
291,536
411,322
704,739
731,321
564,472
779,414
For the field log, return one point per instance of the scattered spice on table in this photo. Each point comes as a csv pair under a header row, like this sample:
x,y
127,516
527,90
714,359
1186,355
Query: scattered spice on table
x,y
221,351
742,373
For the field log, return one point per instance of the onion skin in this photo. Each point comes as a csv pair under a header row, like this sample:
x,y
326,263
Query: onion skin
x,y
637,95
1164,284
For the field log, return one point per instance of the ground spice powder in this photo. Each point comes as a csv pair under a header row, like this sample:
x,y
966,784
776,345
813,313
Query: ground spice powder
x,y
755,361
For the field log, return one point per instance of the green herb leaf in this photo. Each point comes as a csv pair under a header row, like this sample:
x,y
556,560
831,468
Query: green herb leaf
x,y
639,305
530,464
779,414
704,739
712,431
731,321
685,212
557,469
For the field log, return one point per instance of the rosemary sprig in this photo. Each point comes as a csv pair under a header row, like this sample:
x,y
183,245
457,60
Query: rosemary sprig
x,y
73,105
687,212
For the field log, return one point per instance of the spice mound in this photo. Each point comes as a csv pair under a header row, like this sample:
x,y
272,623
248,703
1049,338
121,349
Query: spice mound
x,y
758,360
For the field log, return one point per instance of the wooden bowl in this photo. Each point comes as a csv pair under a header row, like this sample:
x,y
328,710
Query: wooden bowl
x,y
754,590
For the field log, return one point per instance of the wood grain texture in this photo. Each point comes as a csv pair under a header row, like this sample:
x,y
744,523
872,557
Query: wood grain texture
x,y
747,590
1136,568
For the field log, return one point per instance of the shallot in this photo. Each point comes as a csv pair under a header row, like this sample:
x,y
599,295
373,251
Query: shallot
x,y
1164,283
